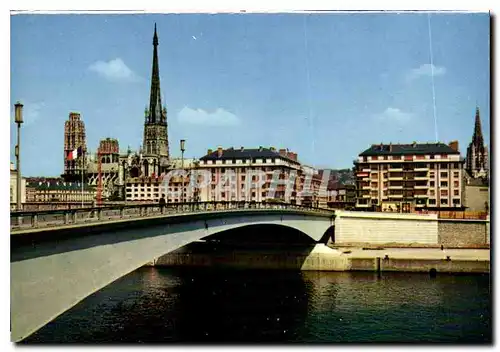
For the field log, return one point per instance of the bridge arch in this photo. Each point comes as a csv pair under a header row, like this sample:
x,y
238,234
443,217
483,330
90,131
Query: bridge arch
x,y
68,269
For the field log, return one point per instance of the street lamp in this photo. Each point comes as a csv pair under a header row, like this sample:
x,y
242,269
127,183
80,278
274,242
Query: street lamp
x,y
183,142
19,120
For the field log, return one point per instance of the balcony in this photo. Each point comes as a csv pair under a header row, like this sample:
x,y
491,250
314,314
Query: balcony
x,y
395,178
421,177
421,195
421,168
421,186
395,186
395,196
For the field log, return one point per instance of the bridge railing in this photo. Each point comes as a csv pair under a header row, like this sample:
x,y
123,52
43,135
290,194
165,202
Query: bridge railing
x,y
20,220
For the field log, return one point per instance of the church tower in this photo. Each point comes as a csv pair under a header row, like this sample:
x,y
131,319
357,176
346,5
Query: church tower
x,y
155,142
477,154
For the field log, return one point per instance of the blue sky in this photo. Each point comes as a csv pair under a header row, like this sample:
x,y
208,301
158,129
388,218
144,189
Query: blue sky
x,y
326,86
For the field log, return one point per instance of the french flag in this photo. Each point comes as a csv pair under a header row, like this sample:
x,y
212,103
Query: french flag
x,y
73,155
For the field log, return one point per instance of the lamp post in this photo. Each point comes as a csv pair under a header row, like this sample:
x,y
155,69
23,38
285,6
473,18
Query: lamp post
x,y
183,142
19,120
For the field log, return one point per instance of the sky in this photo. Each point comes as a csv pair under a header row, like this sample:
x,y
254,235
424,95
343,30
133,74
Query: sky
x,y
326,86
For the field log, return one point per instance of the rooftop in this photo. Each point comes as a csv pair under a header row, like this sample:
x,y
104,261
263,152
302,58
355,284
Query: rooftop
x,y
409,149
254,153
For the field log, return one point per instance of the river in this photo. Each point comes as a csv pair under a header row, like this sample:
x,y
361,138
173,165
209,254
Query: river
x,y
206,305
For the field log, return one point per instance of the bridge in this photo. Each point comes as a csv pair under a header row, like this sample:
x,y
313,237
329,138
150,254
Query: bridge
x,y
59,257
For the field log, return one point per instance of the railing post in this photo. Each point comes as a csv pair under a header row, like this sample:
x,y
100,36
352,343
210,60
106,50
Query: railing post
x,y
74,216
66,217
34,220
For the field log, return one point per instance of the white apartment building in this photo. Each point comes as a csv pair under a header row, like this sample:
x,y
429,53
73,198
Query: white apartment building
x,y
247,174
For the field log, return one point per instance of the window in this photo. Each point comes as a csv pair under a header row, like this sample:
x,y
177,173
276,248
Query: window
x,y
455,192
396,157
444,156
456,184
431,174
432,193
420,157
263,194
432,157
374,184
444,174
456,174
364,158
375,157
444,193
456,201
455,165
431,183
385,157
444,201
444,184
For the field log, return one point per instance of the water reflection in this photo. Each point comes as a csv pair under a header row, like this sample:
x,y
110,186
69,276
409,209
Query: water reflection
x,y
203,305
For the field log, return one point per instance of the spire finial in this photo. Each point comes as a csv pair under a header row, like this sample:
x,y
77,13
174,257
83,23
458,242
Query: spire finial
x,y
155,37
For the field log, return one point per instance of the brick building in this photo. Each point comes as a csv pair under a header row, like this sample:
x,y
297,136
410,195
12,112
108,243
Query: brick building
x,y
400,177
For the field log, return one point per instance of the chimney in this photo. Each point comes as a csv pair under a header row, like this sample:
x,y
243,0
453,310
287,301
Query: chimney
x,y
454,145
219,152
210,151
282,152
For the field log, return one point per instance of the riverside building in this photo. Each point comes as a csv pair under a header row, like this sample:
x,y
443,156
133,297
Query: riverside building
x,y
402,177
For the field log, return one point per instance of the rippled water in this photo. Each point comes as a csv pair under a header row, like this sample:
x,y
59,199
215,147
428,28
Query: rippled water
x,y
205,306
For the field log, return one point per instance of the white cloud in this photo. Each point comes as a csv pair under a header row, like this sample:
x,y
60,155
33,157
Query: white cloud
x,y
425,70
394,115
31,111
114,70
219,117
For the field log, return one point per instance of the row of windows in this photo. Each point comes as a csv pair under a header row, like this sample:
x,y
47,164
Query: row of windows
x,y
243,161
409,167
406,157
443,201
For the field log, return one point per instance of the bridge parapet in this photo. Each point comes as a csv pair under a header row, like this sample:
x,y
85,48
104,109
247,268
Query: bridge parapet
x,y
54,218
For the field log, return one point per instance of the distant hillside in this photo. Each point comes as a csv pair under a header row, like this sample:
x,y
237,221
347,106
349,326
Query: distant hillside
x,y
341,176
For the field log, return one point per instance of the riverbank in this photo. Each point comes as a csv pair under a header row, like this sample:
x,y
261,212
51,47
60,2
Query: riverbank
x,y
323,258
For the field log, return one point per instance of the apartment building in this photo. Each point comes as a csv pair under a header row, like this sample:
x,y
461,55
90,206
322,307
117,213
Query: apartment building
x,y
400,177
246,175
50,191
150,188
341,196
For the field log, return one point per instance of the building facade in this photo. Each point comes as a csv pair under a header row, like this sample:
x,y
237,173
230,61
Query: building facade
x,y
59,192
246,175
173,185
74,137
400,177
341,196
477,153
108,155
13,188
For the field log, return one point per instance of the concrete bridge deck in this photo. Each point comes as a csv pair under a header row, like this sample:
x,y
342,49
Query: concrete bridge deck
x,y
52,269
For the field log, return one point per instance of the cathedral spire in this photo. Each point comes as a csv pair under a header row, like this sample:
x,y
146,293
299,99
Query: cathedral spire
x,y
155,115
477,138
